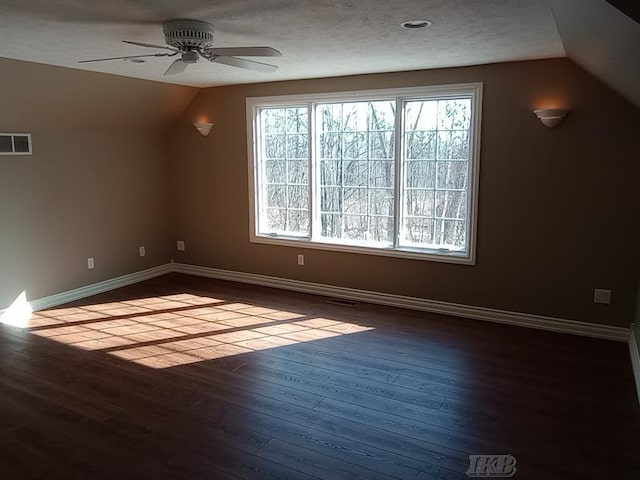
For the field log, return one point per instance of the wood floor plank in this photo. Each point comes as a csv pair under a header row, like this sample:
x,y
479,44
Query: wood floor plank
x,y
352,430
190,378
316,464
328,444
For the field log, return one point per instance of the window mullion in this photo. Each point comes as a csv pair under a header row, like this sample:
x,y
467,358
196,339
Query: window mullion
x,y
260,171
398,188
368,210
314,166
341,197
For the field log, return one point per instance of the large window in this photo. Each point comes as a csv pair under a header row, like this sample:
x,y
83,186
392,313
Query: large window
x,y
390,172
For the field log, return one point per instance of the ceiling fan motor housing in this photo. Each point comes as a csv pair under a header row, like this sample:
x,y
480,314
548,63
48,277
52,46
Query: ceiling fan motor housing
x,y
188,34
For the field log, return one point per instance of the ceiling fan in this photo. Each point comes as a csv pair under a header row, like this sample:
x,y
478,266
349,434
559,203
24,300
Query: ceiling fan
x,y
192,40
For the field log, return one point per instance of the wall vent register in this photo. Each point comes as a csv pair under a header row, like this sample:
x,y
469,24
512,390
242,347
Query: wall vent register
x,y
15,144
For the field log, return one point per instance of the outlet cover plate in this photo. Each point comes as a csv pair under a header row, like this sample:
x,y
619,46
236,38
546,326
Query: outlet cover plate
x,y
600,295
180,245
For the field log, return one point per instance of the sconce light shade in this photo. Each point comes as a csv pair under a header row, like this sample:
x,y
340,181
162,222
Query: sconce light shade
x,y
203,128
551,117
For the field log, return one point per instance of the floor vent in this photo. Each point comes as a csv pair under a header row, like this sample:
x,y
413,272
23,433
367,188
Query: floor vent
x,y
342,302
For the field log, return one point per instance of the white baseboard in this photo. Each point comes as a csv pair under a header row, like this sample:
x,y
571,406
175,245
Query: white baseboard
x,y
100,287
468,311
634,349
479,313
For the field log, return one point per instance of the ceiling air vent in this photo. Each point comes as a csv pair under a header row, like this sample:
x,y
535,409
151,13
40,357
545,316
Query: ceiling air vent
x,y
15,144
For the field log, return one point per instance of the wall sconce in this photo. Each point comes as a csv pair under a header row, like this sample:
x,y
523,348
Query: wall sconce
x,y
204,128
551,117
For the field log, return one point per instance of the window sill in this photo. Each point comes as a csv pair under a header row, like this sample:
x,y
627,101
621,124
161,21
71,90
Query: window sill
x,y
463,258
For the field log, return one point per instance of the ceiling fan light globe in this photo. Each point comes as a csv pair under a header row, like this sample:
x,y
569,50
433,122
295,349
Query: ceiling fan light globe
x,y
190,56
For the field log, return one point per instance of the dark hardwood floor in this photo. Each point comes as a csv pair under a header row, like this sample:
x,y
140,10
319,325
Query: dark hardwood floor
x,y
189,378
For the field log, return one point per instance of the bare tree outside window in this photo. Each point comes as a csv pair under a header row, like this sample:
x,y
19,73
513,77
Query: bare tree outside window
x,y
436,165
285,147
357,170
395,171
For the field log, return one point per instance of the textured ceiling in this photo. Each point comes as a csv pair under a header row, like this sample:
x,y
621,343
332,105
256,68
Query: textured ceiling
x,y
318,38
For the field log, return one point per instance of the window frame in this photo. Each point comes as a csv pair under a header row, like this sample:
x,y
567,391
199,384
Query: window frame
x,y
400,96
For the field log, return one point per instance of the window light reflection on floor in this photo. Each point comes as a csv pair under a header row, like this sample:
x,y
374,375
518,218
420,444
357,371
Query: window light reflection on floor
x,y
18,313
173,330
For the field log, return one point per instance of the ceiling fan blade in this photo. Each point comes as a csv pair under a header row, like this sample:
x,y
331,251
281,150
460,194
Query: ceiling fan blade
x,y
149,45
178,66
246,64
129,56
245,52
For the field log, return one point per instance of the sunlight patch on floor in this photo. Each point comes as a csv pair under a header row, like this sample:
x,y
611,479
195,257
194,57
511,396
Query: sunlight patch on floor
x,y
18,313
168,331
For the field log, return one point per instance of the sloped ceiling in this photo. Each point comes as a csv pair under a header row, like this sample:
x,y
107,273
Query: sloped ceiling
x,y
324,38
318,38
603,40
631,8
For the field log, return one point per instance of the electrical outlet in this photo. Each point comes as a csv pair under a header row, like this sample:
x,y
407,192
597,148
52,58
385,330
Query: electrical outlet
x,y
180,245
300,259
142,251
601,295
90,263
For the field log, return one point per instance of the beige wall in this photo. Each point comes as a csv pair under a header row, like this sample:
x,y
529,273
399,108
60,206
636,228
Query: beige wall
x,y
557,215
96,184
558,212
